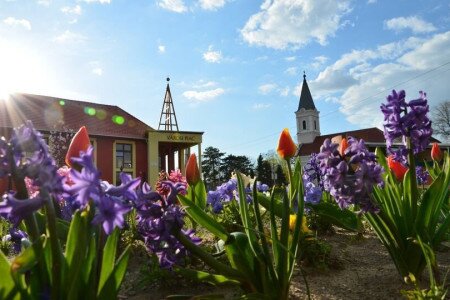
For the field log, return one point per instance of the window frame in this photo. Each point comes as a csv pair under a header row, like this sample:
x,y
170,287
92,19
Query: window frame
x,y
116,168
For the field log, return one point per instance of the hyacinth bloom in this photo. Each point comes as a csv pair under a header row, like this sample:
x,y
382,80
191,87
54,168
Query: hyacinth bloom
x,y
192,171
286,146
436,153
406,120
397,168
80,142
350,178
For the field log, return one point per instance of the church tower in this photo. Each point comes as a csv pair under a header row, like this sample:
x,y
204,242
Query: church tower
x,y
308,125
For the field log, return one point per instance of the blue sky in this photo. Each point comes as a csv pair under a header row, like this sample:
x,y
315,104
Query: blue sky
x,y
235,65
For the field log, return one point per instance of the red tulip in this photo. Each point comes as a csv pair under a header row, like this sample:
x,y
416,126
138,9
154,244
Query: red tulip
x,y
397,168
286,146
80,142
343,146
192,172
436,153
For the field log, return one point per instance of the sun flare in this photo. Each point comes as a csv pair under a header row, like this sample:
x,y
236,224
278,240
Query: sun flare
x,y
21,70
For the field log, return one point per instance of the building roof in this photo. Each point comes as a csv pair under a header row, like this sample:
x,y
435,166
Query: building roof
x,y
306,100
51,113
371,136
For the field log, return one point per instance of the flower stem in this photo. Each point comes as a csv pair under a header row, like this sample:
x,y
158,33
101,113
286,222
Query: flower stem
x,y
207,258
412,171
54,244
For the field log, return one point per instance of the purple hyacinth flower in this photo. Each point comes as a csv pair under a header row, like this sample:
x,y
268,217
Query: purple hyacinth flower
x,y
313,194
422,175
214,199
16,236
110,213
16,210
126,189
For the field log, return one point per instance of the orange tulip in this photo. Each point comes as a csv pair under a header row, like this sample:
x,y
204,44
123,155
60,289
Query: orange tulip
x,y
286,146
397,168
436,153
192,171
342,146
80,142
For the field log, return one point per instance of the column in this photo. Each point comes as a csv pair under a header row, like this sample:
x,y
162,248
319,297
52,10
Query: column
x,y
181,161
200,159
153,159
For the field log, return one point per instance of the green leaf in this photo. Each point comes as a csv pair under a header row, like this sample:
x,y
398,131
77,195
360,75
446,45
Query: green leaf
x,y
206,277
241,256
274,205
245,217
112,285
76,248
342,218
26,260
200,194
109,258
202,218
7,285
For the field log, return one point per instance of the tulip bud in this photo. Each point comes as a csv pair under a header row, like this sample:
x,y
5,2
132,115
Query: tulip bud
x,y
80,142
286,146
436,153
192,172
343,146
397,168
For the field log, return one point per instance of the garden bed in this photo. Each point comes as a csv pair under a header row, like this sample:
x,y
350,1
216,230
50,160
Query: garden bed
x,y
360,268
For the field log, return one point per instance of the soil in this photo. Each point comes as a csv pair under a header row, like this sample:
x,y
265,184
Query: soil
x,y
360,268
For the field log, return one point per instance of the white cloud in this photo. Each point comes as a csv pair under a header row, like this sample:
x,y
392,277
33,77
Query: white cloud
x,y
259,106
360,80
177,6
44,2
75,10
203,96
416,24
97,71
319,61
285,91
211,4
371,1
267,88
95,1
212,56
70,37
290,58
13,22
161,49
291,71
264,57
285,23
204,84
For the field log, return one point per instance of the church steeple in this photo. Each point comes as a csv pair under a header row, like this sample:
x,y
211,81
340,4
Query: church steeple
x,y
168,118
308,125
306,100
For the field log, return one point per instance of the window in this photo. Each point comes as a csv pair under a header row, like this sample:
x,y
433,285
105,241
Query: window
x,y
304,125
315,125
124,159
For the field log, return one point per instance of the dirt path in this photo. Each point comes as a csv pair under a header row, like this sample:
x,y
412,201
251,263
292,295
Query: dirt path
x,y
361,269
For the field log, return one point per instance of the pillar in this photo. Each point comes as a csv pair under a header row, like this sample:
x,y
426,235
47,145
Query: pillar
x,y
200,159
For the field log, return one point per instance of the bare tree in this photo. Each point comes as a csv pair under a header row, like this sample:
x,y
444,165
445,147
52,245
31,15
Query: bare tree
x,y
441,119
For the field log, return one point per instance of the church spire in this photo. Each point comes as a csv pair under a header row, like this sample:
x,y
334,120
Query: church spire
x,y
306,100
168,119
307,116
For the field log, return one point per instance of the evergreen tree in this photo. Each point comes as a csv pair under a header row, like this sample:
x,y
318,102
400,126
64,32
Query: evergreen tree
x,y
281,177
232,163
211,164
264,171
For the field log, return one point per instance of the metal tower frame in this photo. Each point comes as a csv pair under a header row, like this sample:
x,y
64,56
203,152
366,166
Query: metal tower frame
x,y
168,117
